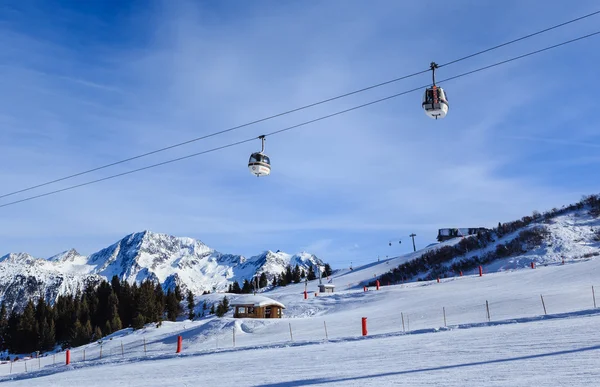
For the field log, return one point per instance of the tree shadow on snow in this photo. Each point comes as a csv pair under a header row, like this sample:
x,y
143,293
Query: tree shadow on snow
x,y
316,381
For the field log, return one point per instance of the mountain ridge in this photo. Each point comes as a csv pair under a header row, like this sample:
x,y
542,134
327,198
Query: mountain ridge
x,y
138,256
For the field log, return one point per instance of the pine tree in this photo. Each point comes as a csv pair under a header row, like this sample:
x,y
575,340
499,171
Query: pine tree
x,y
178,293
47,335
212,309
160,303
296,274
246,288
262,281
191,304
281,280
172,306
3,325
235,288
116,324
275,281
302,274
138,321
115,284
11,332
27,329
328,270
223,307
107,328
126,304
289,277
97,333
311,274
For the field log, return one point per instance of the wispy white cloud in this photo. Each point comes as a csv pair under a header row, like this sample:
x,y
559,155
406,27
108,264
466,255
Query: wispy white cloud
x,y
351,180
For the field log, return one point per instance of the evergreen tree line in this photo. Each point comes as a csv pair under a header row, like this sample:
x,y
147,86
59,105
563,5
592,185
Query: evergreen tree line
x,y
87,316
435,262
288,276
295,275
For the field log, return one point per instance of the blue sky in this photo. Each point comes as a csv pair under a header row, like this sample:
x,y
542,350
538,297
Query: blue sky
x,y
87,83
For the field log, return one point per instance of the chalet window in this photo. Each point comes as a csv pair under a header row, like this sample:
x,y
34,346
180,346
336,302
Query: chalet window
x,y
250,310
242,309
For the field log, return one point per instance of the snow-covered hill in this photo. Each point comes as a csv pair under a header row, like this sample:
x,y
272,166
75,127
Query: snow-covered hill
x,y
573,235
421,333
171,260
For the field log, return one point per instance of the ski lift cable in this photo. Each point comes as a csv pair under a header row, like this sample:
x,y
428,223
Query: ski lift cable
x,y
298,125
324,101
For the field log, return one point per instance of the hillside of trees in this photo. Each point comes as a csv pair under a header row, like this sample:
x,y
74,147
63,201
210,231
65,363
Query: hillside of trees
x,y
441,262
100,310
85,317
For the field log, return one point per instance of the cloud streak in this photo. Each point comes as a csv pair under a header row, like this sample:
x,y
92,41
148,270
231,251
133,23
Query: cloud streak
x,y
185,69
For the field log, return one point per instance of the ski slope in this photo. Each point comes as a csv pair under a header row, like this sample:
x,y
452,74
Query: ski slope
x,y
519,345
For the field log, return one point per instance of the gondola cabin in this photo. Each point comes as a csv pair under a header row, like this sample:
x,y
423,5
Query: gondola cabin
x,y
259,164
256,307
435,102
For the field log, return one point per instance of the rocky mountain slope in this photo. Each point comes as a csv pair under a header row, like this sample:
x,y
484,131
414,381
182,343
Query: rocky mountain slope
x,y
171,260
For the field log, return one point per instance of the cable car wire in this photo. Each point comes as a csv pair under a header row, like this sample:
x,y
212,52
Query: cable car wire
x,y
519,39
301,124
295,109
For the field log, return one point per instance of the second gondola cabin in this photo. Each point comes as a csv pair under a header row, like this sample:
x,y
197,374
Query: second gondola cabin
x,y
435,102
259,163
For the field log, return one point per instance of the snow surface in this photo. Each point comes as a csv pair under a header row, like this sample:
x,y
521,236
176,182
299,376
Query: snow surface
x,y
519,345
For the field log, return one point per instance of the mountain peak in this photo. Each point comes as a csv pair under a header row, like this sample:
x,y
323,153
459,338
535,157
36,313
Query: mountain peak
x,y
140,256
66,256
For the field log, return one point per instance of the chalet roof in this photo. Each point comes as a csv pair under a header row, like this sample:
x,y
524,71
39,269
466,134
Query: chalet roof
x,y
328,285
255,301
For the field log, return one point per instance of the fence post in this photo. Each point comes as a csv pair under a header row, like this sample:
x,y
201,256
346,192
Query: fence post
x,y
543,304
217,342
533,265
291,336
480,271
84,354
39,363
68,357
234,337
326,336
11,363
364,326
53,359
487,308
100,351
377,284
594,296
25,365
145,352
444,310
407,322
179,342
305,295
402,315
122,351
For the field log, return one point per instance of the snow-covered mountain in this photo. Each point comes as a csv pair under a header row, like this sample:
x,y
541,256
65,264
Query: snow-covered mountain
x,y
171,260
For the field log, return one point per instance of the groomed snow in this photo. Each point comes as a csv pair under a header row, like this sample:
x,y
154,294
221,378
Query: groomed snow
x,y
518,346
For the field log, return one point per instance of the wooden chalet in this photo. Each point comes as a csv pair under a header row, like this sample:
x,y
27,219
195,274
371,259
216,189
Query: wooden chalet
x,y
256,307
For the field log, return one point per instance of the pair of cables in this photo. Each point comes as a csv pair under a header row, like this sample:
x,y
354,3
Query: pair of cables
x,y
305,123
